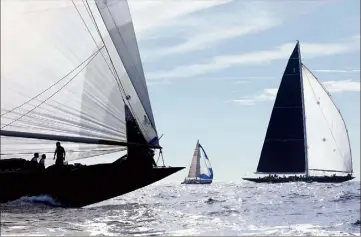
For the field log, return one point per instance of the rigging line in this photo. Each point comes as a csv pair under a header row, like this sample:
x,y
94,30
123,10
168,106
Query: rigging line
x,y
324,117
9,111
67,122
134,65
114,73
116,76
111,61
86,26
53,93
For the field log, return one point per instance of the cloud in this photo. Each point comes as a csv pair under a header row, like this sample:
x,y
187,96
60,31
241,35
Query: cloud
x,y
336,71
206,29
205,32
155,14
268,94
342,86
218,63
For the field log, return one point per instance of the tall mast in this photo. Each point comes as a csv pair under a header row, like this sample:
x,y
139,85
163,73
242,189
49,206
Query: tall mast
x,y
303,109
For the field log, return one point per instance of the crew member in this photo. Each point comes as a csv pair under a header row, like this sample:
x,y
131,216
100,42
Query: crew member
x,y
60,154
42,160
35,158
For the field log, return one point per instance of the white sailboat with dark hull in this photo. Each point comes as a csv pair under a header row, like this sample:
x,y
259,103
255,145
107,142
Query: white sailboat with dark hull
x,y
199,172
71,72
306,133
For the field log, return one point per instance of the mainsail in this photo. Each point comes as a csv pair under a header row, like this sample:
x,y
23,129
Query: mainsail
x,y
69,68
306,131
197,169
283,150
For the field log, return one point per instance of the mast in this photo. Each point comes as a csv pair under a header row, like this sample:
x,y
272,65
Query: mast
x,y
303,110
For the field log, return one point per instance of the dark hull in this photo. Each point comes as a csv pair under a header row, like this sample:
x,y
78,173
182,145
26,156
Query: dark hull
x,y
80,186
310,179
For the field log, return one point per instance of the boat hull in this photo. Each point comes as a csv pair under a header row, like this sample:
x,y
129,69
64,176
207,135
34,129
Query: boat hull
x,y
310,179
80,186
197,181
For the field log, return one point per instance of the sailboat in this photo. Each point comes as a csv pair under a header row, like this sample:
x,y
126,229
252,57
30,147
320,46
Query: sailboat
x,y
71,72
306,133
198,173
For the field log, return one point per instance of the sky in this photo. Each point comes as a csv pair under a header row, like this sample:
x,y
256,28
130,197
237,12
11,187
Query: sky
x,y
213,67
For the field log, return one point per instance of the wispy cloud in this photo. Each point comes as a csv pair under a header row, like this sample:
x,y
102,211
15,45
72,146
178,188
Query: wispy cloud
x,y
195,27
342,86
337,71
205,32
269,94
155,14
218,63
266,95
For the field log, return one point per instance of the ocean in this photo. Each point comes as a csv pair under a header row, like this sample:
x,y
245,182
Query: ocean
x,y
240,208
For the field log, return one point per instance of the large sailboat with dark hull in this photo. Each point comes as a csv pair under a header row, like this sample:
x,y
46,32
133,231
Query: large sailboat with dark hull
x,y
307,139
71,72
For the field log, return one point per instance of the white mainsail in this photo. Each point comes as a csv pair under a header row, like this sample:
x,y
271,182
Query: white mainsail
x,y
68,68
328,147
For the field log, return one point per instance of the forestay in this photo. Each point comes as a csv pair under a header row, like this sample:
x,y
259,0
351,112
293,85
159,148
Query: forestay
x,y
64,74
328,144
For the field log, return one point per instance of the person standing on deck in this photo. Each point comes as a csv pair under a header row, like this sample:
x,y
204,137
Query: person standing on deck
x,y
42,160
35,158
60,154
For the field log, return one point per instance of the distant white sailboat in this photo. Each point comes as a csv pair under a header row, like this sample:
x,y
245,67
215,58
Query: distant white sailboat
x,y
306,132
199,173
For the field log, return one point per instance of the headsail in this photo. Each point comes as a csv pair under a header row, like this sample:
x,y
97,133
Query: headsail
x,y
206,171
328,144
283,149
64,72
